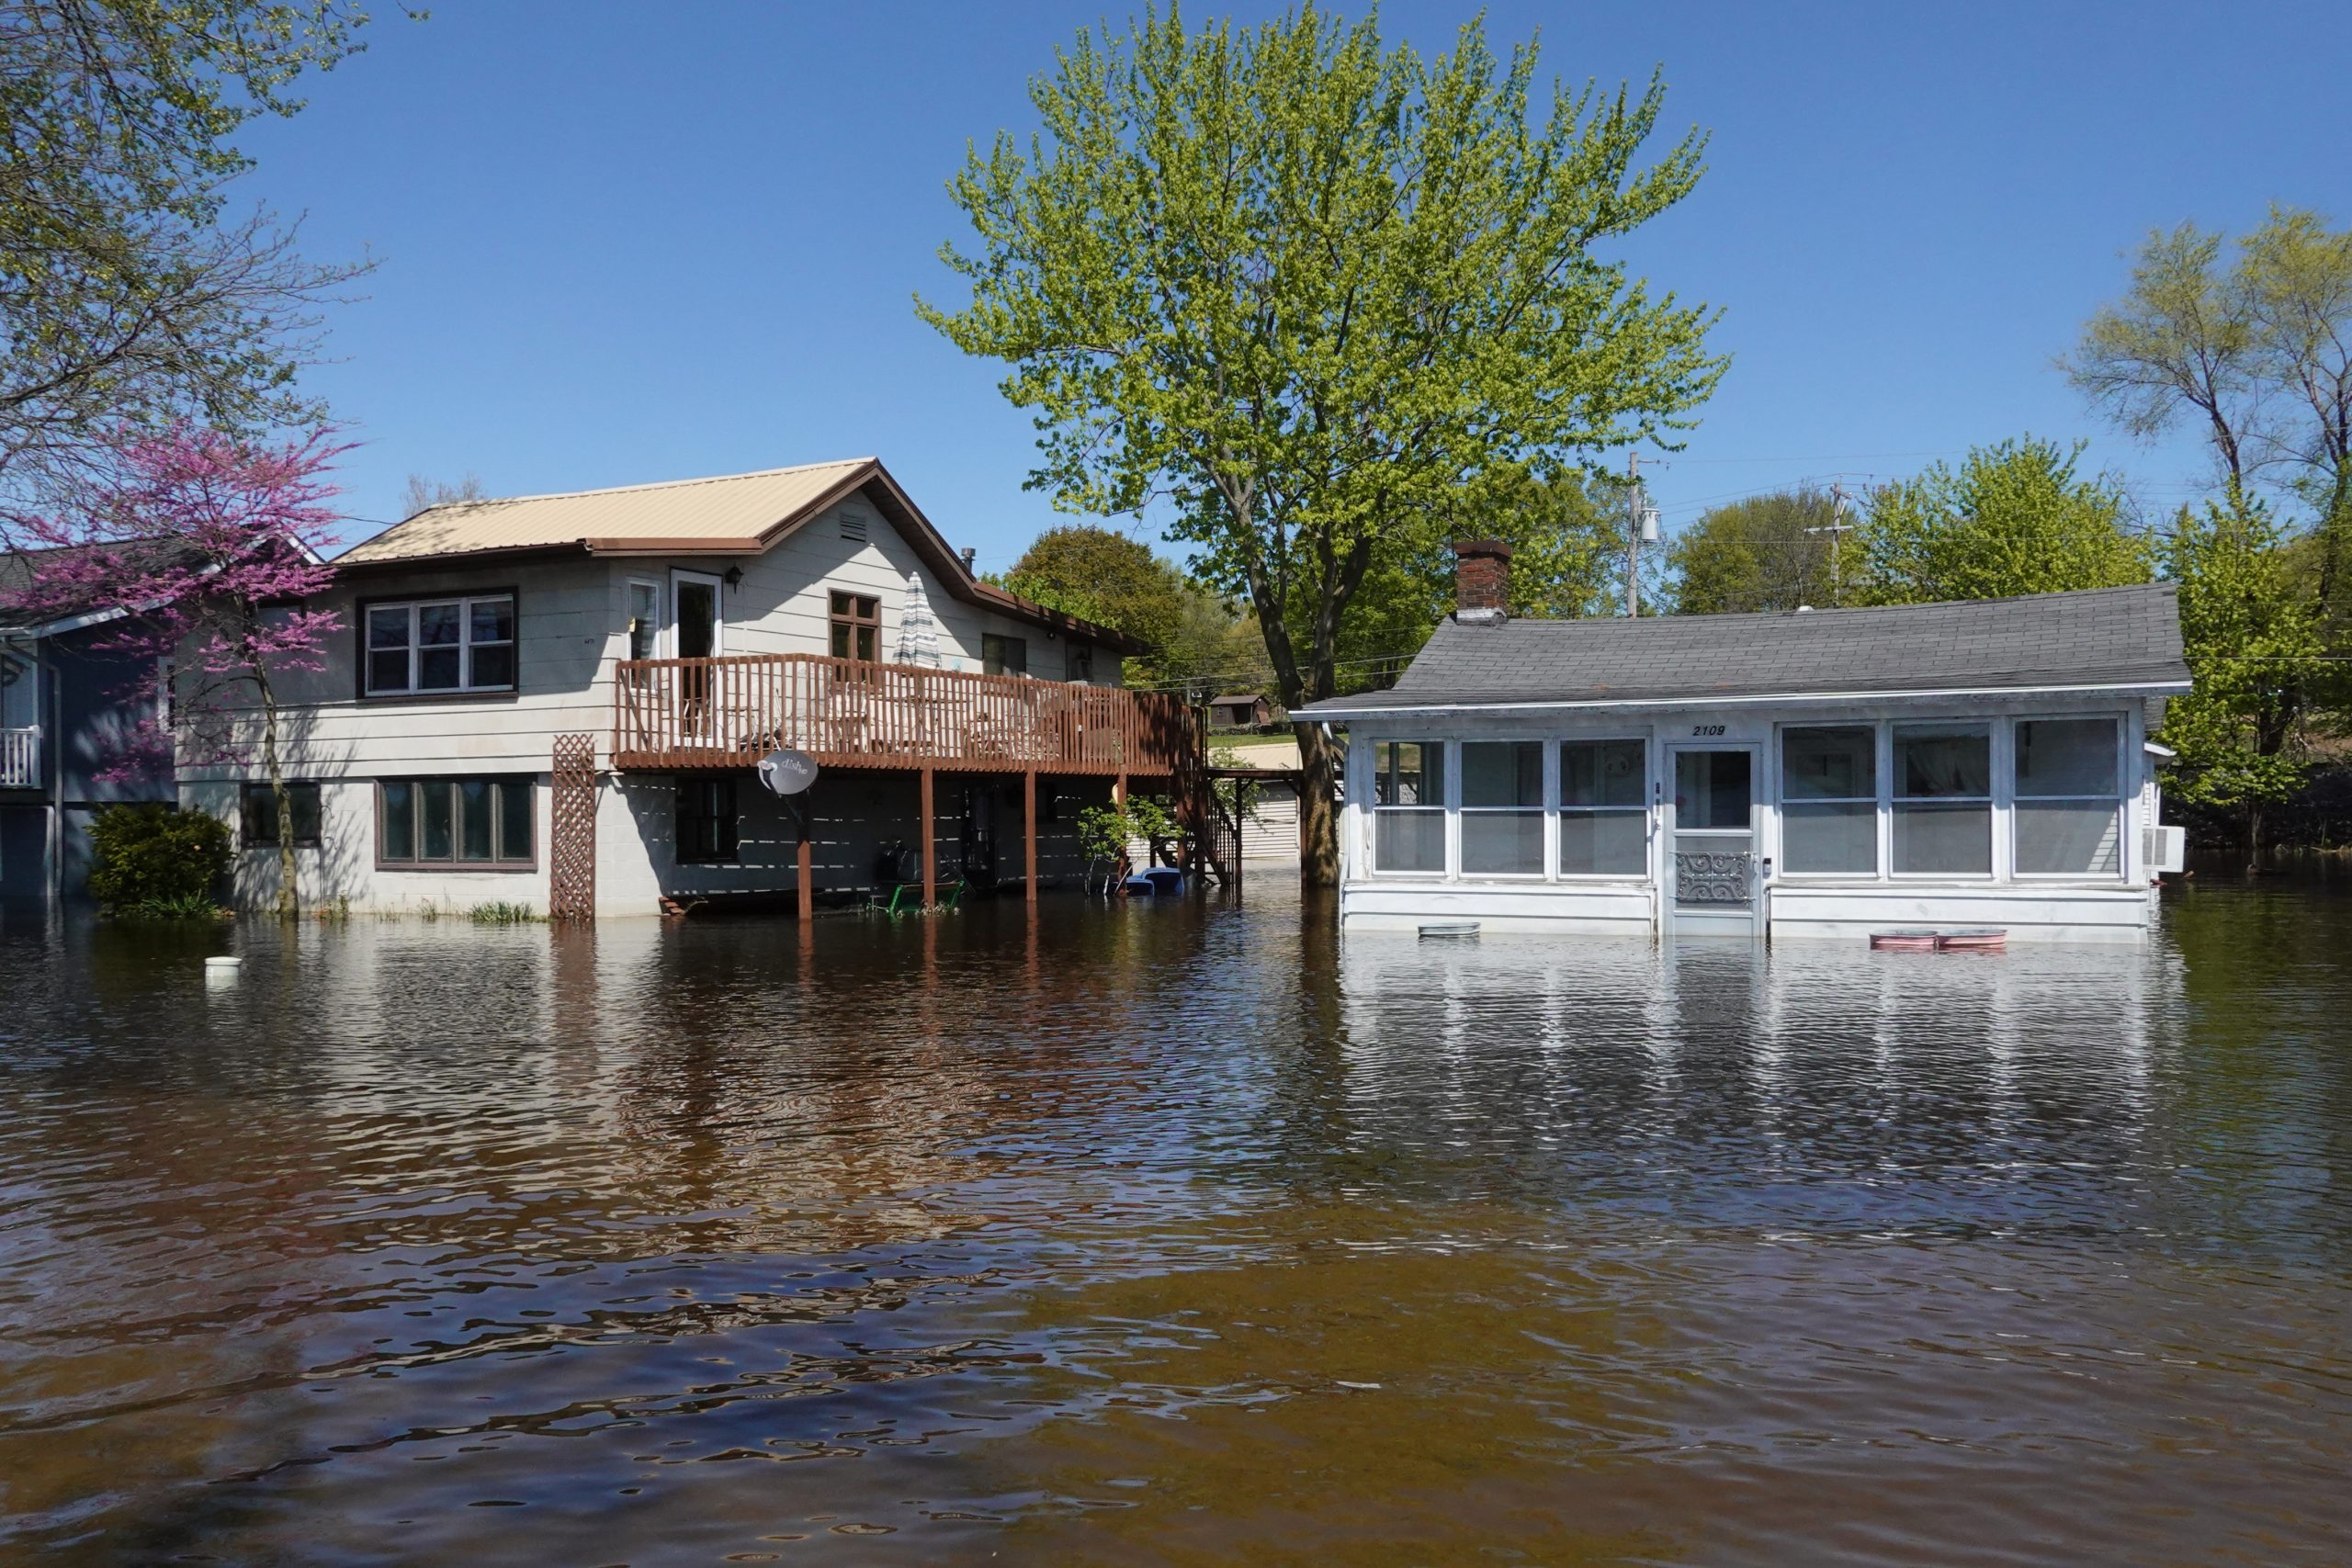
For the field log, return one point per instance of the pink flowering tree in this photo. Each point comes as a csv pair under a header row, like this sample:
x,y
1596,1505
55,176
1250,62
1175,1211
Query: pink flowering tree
x,y
208,546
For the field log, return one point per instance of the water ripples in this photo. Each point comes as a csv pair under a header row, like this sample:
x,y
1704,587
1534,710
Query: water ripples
x,y
1174,1235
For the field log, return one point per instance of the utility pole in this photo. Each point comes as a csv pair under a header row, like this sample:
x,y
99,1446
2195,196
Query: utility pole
x,y
1836,528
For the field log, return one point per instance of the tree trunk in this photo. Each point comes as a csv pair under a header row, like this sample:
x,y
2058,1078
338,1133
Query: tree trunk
x,y
1318,817
288,896
2254,835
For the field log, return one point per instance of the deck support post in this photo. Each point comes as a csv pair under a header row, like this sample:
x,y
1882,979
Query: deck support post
x,y
930,871
1029,832
805,860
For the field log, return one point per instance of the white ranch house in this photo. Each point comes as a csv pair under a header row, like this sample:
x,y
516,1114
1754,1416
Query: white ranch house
x,y
1819,773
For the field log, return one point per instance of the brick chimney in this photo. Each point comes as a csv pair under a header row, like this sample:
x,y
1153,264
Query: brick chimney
x,y
1481,582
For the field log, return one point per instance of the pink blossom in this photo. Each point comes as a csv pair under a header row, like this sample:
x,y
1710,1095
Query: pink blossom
x,y
207,547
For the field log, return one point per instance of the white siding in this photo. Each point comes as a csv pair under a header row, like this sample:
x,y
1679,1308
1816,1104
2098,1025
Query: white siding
x,y
2046,908
572,622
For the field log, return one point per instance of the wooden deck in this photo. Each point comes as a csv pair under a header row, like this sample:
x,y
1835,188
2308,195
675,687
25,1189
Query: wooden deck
x,y
685,714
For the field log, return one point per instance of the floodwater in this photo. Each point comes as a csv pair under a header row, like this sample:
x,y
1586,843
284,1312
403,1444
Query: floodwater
x,y
1174,1235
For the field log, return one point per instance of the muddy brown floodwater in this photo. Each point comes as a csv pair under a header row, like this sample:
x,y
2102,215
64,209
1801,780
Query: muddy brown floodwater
x,y
1174,1235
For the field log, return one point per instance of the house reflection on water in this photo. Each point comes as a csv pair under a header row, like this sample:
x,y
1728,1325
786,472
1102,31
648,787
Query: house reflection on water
x,y
1805,1063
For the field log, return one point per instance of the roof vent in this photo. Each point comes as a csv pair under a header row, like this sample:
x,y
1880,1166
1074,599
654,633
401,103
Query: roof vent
x,y
853,527
1805,609
971,562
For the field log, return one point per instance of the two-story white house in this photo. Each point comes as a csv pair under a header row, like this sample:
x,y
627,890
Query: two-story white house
x,y
561,700
1974,766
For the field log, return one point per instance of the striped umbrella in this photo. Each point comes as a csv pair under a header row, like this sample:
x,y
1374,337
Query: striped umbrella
x,y
918,628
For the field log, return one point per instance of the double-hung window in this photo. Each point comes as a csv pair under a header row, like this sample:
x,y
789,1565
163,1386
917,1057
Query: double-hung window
x,y
856,623
644,618
2067,809
257,814
709,826
1502,808
1408,806
1830,800
1604,808
441,645
1003,655
1943,800
459,822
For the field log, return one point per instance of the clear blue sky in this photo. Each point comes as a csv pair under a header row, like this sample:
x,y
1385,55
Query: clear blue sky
x,y
626,242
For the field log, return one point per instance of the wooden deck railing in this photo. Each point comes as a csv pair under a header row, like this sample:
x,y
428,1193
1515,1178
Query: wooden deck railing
x,y
731,712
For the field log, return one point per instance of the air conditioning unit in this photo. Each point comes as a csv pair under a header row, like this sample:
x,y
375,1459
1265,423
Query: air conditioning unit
x,y
2165,849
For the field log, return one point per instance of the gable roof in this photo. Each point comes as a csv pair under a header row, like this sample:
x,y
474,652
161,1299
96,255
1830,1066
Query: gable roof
x,y
2098,640
724,516
18,570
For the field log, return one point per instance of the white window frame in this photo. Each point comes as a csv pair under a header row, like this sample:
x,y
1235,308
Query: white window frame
x,y
1995,734
718,586
1443,808
2119,799
660,616
1561,811
1459,808
1881,799
463,604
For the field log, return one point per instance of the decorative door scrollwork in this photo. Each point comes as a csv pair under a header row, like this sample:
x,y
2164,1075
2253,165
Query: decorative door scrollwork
x,y
1708,877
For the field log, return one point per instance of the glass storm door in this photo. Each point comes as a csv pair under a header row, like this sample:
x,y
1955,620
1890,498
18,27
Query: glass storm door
x,y
697,636
1713,863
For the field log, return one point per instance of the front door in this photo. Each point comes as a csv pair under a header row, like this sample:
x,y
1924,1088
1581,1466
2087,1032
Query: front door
x,y
1711,852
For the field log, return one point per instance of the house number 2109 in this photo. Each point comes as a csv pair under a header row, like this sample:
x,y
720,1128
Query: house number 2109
x,y
1706,730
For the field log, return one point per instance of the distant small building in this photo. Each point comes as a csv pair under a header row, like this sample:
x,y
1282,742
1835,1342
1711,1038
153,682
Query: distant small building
x,y
1823,773
1239,710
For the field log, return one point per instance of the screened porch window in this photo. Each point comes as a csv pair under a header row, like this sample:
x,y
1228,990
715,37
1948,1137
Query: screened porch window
x,y
1502,808
1830,800
2068,808
1943,800
1408,806
1604,808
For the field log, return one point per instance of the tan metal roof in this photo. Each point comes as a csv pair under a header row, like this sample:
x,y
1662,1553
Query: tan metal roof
x,y
730,515
733,514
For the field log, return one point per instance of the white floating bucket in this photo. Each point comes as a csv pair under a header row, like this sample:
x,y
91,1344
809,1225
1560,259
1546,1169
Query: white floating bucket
x,y
221,970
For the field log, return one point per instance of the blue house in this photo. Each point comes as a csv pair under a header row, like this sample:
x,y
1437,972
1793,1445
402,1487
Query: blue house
x,y
66,702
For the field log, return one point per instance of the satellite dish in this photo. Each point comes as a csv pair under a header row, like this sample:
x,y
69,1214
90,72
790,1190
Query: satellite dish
x,y
787,772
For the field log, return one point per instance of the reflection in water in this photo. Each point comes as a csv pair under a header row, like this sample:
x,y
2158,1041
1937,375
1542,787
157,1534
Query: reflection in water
x,y
1174,1235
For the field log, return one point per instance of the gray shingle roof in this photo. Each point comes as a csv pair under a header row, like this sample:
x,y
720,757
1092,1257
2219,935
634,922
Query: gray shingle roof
x,y
2102,637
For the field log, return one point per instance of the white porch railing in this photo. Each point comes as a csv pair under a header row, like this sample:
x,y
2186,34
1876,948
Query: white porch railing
x,y
19,758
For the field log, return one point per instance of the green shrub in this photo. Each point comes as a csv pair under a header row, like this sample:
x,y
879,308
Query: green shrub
x,y
501,914
149,855
186,906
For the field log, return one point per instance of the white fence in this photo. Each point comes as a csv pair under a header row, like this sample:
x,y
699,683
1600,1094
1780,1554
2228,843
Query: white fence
x,y
19,758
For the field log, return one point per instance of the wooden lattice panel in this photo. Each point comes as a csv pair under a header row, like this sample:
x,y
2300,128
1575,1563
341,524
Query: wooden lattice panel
x,y
572,837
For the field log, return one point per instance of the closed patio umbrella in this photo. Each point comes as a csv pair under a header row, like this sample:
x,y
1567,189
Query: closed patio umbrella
x,y
918,628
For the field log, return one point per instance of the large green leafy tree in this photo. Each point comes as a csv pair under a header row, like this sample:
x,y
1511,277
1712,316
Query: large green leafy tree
x,y
129,293
1762,552
1117,580
2012,518
2252,634
1321,300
